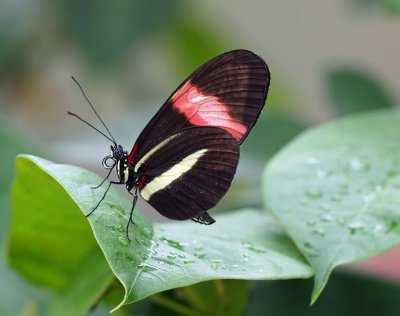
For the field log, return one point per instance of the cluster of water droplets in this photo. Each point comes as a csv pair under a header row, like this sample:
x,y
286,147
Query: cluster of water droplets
x,y
326,207
169,251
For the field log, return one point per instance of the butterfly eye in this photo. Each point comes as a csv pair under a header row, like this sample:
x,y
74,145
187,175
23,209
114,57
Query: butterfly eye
x,y
107,164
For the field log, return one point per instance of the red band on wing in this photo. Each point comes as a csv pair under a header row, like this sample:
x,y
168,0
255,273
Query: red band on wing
x,y
206,110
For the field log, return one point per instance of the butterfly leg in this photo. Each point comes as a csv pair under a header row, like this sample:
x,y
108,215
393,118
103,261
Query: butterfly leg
x,y
103,180
104,195
135,197
204,218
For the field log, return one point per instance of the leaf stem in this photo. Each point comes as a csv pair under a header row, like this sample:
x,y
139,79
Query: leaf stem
x,y
173,305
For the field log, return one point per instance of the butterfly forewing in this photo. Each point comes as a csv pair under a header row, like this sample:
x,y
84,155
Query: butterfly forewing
x,y
227,92
188,172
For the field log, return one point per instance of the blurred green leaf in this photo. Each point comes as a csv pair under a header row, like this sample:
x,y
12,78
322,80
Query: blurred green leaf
x,y
336,190
157,259
390,5
269,135
346,295
51,243
220,297
16,295
393,5
353,91
105,31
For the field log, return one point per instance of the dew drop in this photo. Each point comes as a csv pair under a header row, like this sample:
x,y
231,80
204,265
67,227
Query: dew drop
x,y
174,243
378,228
146,230
215,263
123,241
171,256
355,227
248,245
312,160
233,267
326,217
311,223
321,174
368,197
146,267
318,231
245,257
120,228
199,254
356,164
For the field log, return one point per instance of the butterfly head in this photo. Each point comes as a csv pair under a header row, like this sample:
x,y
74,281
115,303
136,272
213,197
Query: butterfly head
x,y
116,155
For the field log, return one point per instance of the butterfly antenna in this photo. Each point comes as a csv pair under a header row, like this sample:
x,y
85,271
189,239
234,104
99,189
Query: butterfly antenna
x,y
94,110
96,129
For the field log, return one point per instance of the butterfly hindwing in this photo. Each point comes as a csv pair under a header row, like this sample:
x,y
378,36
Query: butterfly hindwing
x,y
227,92
189,172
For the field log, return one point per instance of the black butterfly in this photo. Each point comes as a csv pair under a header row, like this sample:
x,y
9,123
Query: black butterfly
x,y
184,160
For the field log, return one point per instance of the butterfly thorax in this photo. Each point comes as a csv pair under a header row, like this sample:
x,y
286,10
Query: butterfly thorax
x,y
118,158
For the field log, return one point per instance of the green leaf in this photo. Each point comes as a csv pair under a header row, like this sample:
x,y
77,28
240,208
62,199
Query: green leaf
x,y
220,297
354,91
336,191
106,32
51,243
16,295
158,258
393,5
269,135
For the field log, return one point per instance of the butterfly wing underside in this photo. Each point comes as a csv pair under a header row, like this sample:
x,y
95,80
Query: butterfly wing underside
x,y
189,172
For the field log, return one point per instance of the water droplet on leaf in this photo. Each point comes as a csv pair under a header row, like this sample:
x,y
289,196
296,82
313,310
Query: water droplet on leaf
x,y
318,231
146,267
312,160
326,217
123,240
356,226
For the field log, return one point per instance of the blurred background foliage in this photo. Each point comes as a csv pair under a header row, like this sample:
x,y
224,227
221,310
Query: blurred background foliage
x,y
327,59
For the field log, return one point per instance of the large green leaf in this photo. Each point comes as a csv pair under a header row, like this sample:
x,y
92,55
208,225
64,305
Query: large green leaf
x,y
51,243
242,245
336,190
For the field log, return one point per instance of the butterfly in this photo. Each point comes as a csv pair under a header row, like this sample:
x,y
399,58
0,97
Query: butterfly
x,y
184,160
